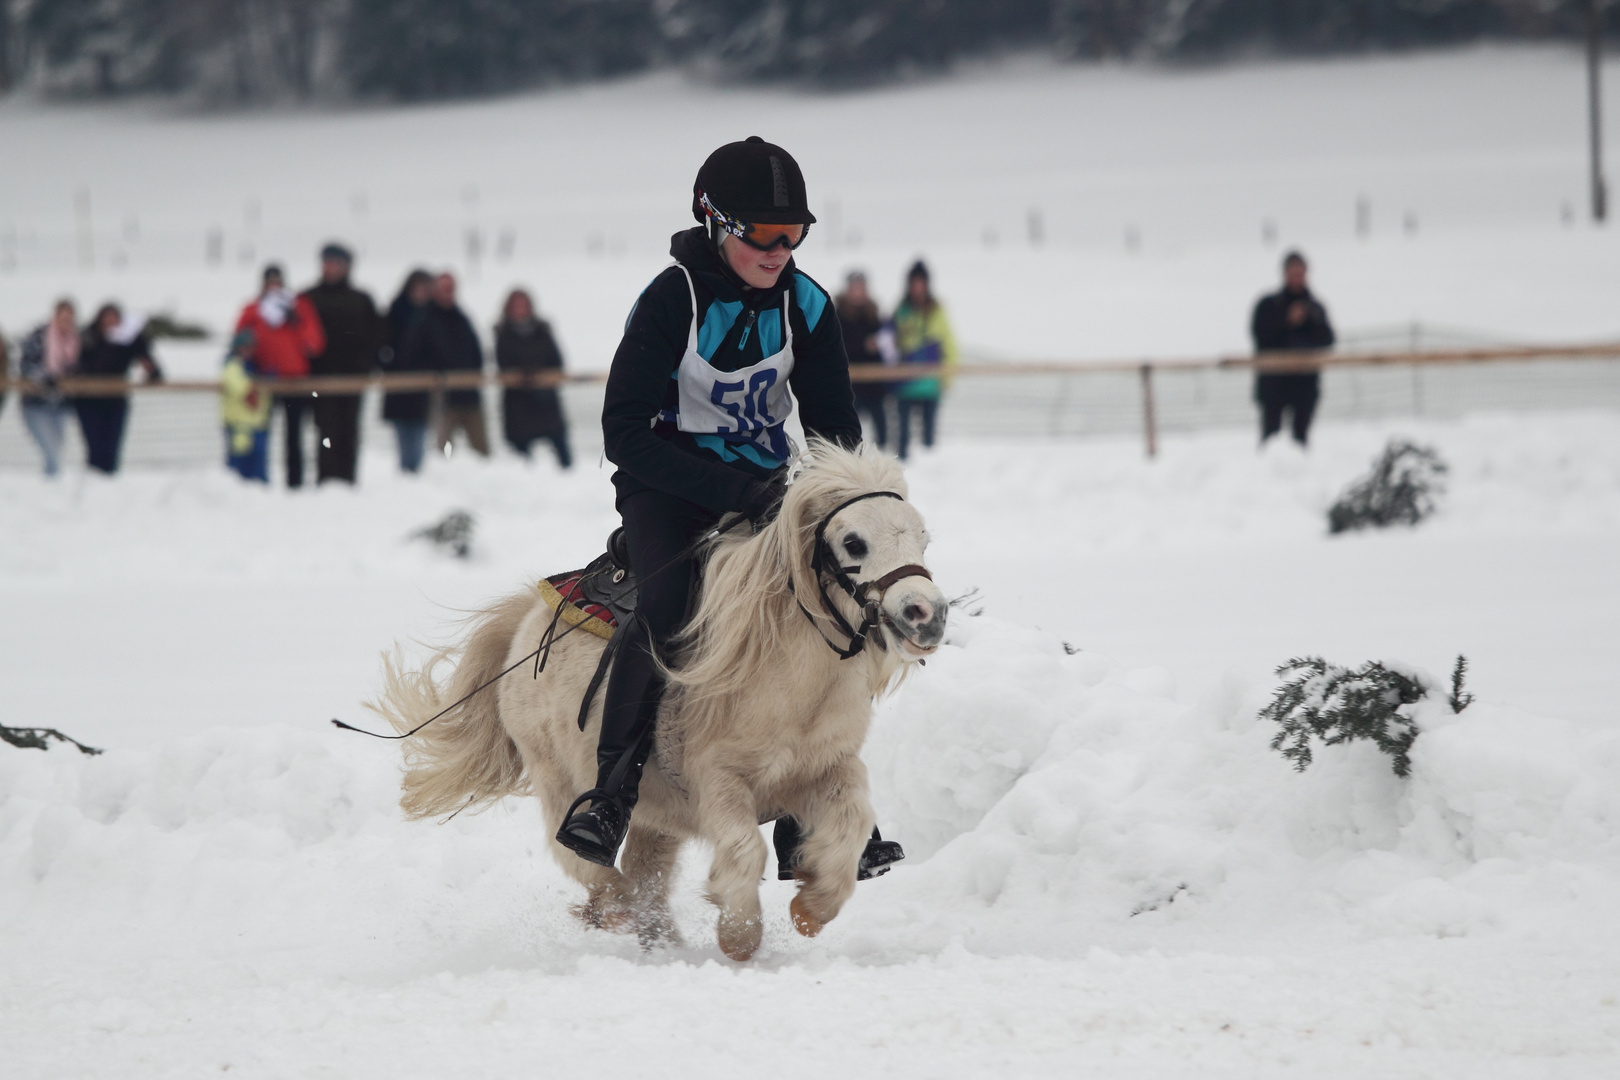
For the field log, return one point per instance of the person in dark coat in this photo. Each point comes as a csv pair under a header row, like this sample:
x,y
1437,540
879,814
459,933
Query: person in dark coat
x,y
1290,319
524,343
109,346
406,410
354,333
858,316
442,339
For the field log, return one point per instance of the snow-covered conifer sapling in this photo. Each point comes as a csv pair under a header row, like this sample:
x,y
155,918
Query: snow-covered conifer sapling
x,y
1337,704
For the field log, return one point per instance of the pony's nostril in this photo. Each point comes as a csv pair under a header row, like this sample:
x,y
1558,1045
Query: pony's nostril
x,y
916,613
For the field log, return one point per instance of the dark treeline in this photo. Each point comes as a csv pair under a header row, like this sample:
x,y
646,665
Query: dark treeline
x,y
270,50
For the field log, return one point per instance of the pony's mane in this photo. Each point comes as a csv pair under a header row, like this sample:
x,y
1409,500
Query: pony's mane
x,y
745,609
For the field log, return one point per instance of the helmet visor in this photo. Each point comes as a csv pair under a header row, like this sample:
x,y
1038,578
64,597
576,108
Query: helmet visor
x,y
757,236
766,237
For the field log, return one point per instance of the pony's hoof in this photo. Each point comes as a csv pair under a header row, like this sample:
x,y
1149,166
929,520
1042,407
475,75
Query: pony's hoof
x,y
740,952
597,916
739,938
804,922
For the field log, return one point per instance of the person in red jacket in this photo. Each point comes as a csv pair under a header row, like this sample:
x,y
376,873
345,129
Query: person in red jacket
x,y
286,333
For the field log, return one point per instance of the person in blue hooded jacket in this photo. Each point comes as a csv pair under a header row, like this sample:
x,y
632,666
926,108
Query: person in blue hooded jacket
x,y
717,353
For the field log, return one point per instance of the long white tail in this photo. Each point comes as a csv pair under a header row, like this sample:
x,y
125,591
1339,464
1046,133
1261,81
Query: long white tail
x,y
465,758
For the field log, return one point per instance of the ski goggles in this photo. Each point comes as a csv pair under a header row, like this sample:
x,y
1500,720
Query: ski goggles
x,y
757,236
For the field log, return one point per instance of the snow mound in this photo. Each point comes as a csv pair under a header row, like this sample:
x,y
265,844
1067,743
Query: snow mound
x,y
1050,797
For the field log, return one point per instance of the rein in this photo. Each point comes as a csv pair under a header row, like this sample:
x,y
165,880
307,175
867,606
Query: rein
x,y
542,652
868,595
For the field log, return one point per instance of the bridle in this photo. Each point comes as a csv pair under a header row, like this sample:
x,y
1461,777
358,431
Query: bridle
x,y
868,595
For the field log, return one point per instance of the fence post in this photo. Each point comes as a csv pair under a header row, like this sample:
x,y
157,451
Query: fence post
x,y
1150,423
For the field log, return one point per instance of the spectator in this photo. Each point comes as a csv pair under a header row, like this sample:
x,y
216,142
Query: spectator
x,y
108,346
923,336
1290,319
407,410
5,369
443,339
286,333
524,343
245,409
863,341
49,353
354,332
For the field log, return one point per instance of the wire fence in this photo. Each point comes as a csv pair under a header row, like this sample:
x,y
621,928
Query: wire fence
x,y
177,424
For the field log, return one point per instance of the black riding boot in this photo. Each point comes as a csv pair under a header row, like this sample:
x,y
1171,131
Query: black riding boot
x,y
878,858
656,542
595,831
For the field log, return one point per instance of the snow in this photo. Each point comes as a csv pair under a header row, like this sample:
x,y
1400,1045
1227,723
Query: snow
x,y
1110,872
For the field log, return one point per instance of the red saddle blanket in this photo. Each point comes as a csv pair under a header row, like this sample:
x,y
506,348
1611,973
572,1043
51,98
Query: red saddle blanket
x,y
563,590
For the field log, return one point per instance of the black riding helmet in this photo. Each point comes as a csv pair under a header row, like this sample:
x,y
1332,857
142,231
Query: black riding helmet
x,y
752,182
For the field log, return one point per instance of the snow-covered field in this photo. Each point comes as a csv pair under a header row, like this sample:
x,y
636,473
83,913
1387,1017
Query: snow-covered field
x,y
1111,873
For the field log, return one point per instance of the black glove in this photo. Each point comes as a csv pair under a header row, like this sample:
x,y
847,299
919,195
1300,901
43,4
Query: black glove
x,y
762,499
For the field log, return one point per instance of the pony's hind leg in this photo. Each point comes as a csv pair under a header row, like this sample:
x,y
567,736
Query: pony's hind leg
x,y
732,821
649,864
838,819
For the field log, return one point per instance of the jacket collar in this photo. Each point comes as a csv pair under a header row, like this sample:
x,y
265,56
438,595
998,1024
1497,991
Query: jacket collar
x,y
691,249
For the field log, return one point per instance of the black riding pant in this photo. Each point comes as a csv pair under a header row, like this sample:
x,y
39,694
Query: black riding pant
x,y
660,531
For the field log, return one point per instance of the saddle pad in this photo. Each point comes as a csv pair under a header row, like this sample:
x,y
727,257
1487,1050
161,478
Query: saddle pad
x,y
565,590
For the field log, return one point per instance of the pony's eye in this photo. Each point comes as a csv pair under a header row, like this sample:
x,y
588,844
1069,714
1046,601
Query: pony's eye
x,y
855,546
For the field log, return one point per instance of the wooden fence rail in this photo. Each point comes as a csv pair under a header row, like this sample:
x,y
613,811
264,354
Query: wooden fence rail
x,y
1273,362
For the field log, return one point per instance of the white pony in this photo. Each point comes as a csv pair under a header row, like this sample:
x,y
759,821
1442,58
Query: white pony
x,y
762,717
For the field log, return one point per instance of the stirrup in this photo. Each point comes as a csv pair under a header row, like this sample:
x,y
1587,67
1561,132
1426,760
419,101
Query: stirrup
x,y
605,823
879,858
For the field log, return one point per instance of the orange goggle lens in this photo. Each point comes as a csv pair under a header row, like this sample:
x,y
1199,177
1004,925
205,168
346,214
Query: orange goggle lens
x,y
766,237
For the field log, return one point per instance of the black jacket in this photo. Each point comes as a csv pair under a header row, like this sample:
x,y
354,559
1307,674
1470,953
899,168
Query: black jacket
x,y
528,413
640,385
441,339
100,356
1270,328
401,404
860,323
354,331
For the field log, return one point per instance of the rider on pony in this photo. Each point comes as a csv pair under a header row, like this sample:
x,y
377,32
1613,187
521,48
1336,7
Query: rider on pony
x,y
697,399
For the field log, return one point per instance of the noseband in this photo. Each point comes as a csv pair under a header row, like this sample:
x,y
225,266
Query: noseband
x,y
868,595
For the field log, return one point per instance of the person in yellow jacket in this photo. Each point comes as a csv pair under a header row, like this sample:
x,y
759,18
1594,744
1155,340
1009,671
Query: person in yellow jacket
x,y
244,406
923,336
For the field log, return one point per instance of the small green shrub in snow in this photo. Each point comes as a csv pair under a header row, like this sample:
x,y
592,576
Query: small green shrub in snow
x,y
451,534
1337,704
1402,489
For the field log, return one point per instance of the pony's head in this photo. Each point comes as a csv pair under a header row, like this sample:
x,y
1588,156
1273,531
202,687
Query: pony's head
x,y
749,614
858,542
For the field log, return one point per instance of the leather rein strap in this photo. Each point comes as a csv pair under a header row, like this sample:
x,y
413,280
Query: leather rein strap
x,y
868,594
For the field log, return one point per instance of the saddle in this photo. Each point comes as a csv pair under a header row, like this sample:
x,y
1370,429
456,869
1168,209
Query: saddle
x,y
599,599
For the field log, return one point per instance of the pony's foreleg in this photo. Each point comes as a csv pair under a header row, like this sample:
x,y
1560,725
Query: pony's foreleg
x,y
649,863
731,820
838,819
